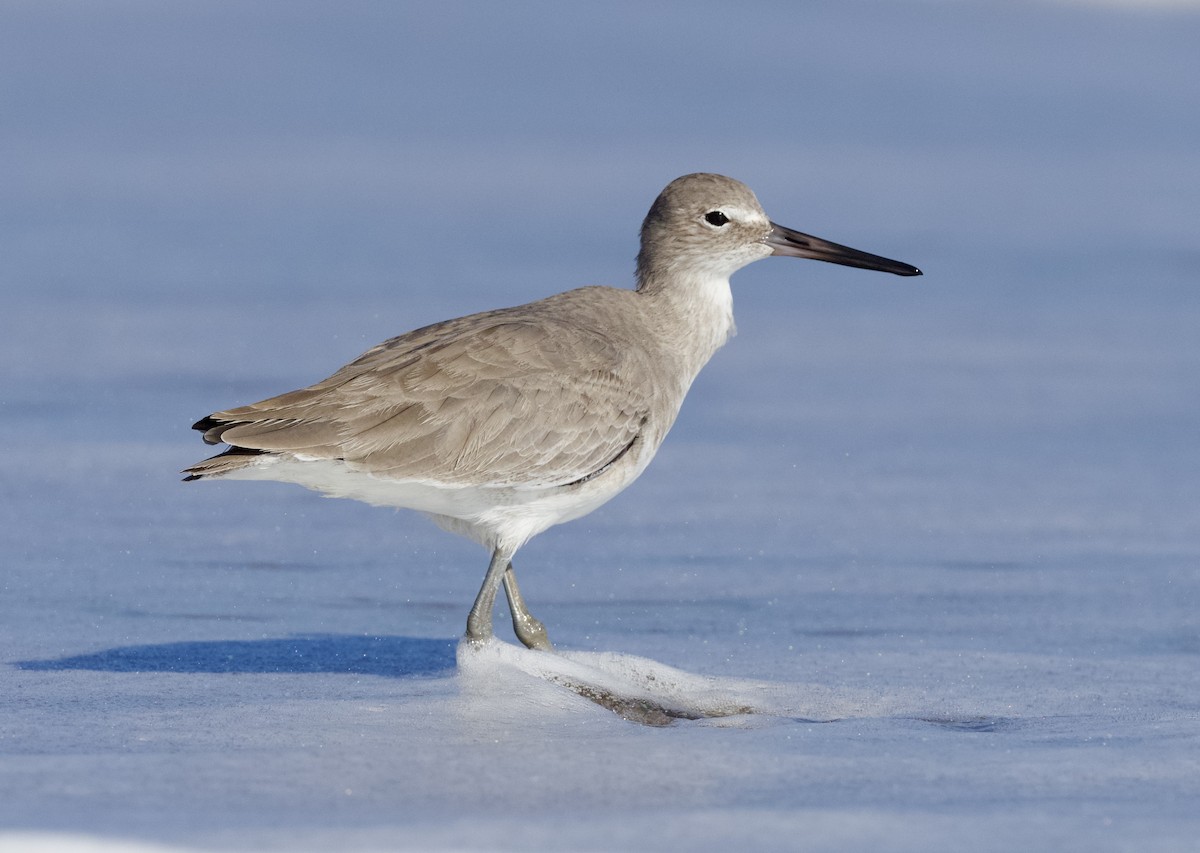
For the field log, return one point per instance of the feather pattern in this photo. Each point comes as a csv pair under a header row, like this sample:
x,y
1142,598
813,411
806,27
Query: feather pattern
x,y
525,397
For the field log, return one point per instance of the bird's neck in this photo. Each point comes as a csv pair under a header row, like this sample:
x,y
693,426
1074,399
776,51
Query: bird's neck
x,y
693,314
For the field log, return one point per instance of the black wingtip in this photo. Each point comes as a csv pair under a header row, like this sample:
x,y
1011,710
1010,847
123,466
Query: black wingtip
x,y
204,469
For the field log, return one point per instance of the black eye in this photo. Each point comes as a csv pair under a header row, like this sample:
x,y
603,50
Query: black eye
x,y
716,217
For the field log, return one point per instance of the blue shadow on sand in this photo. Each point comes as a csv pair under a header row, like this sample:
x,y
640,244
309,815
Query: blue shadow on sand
x,y
394,657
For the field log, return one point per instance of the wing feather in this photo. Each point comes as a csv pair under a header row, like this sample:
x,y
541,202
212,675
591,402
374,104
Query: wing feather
x,y
495,398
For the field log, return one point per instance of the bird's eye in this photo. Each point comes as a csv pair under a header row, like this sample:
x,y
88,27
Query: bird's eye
x,y
716,217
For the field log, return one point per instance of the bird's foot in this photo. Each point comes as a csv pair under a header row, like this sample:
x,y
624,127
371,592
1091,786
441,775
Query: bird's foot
x,y
532,633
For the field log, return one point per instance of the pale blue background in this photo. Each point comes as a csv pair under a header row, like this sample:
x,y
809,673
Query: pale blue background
x,y
960,513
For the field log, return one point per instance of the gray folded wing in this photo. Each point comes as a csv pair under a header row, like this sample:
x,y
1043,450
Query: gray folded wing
x,y
497,398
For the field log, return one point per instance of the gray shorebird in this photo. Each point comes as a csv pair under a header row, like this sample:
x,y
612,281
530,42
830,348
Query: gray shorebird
x,y
502,424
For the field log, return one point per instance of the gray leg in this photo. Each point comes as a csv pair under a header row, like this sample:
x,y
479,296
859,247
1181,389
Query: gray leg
x,y
479,620
528,629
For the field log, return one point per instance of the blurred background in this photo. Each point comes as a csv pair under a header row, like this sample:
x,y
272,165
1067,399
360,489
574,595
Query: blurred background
x,y
208,204
978,489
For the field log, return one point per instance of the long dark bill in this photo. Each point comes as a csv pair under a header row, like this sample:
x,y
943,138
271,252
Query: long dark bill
x,y
793,244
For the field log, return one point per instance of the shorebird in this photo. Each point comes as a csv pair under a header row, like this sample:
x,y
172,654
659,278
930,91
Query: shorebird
x,y
502,424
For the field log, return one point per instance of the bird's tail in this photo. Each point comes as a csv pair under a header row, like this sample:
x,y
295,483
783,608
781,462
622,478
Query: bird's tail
x,y
233,459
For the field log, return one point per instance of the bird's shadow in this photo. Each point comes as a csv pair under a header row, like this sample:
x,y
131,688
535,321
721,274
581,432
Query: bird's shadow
x,y
639,690
587,674
394,657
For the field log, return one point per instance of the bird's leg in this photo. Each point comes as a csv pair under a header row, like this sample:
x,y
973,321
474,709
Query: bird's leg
x,y
528,628
479,620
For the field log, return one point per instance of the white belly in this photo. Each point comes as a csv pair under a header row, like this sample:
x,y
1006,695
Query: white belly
x,y
489,515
